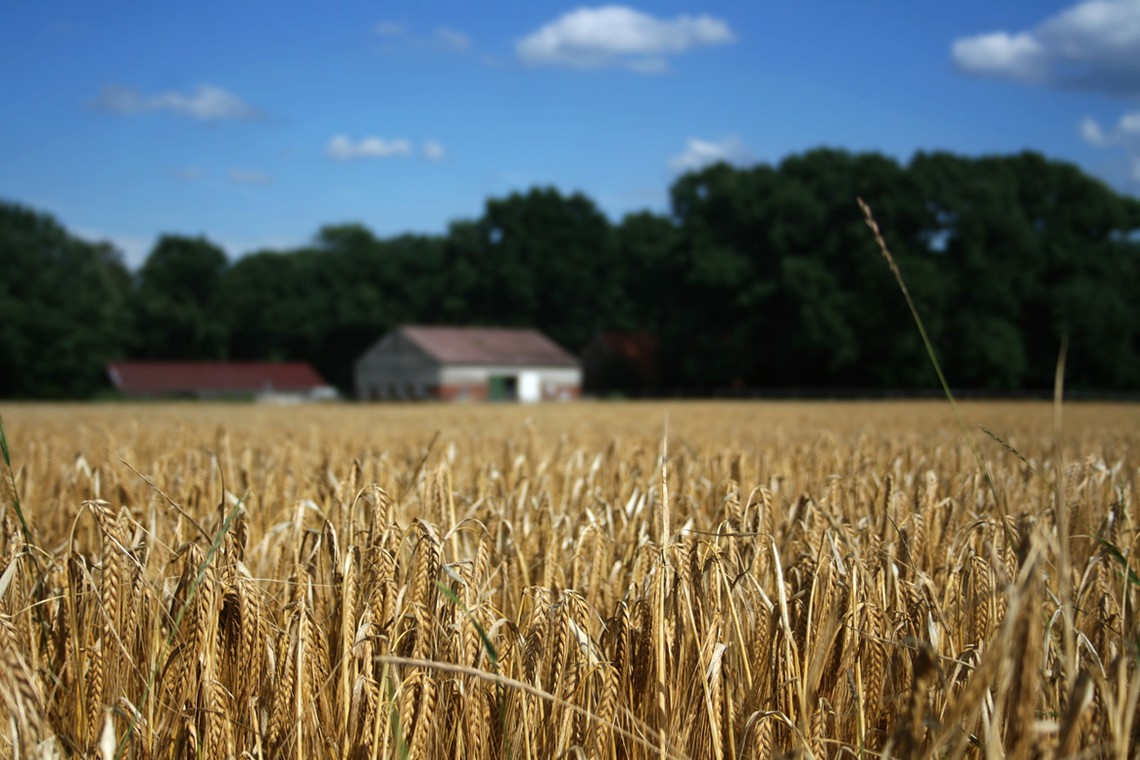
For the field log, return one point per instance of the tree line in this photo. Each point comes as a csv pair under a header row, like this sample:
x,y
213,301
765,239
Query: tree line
x,y
761,276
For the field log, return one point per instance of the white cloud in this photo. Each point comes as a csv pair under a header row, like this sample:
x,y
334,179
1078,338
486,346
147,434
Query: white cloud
x,y
1126,131
248,177
205,103
453,39
617,35
433,150
1096,31
701,153
343,148
1123,136
1091,132
1129,124
1092,45
1017,56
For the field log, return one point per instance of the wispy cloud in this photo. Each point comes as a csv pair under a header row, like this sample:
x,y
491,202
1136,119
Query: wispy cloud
x,y
433,150
248,177
399,37
619,36
1093,45
344,148
701,153
453,39
205,103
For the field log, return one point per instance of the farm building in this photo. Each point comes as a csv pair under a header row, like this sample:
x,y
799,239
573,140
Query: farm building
x,y
621,362
264,381
457,363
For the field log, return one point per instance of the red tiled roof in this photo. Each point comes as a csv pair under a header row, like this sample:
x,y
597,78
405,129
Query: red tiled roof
x,y
489,345
215,377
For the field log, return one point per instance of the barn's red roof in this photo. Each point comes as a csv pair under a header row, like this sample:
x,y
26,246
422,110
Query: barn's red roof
x,y
489,345
213,377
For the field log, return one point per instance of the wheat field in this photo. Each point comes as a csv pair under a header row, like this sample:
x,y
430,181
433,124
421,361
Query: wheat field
x,y
700,580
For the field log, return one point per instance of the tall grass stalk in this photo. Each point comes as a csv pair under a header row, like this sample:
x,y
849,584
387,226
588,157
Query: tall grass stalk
x,y
1062,517
869,218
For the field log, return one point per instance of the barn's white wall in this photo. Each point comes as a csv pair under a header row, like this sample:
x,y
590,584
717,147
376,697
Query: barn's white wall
x,y
472,374
530,386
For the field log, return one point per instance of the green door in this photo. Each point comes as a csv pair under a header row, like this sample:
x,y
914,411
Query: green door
x,y
502,388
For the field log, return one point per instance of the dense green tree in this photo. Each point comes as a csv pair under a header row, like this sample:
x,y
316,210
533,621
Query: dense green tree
x,y
459,275
545,261
761,276
62,308
721,279
643,247
264,302
1035,251
176,305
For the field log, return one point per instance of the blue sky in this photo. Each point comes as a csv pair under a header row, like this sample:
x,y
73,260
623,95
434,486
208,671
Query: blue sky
x,y
256,123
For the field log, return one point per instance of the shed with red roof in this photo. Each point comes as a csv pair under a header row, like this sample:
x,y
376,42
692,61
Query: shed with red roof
x,y
275,381
456,363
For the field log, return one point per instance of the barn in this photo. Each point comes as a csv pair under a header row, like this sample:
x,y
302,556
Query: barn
x,y
461,363
263,381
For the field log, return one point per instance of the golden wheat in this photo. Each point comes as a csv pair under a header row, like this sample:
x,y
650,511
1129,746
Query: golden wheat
x,y
811,580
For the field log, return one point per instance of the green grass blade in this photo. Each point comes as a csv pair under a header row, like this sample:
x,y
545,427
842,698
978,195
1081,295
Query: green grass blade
x,y
16,494
492,653
190,594
1133,579
4,445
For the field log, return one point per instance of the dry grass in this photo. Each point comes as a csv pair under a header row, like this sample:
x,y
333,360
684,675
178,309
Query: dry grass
x,y
811,580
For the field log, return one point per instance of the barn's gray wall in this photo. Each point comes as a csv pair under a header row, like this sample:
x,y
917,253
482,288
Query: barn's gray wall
x,y
395,368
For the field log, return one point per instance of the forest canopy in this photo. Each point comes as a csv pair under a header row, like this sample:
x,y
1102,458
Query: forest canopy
x,y
757,277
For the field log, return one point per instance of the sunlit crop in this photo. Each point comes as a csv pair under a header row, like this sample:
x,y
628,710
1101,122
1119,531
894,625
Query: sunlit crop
x,y
600,581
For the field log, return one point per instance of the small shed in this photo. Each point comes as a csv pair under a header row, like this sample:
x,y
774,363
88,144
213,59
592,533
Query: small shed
x,y
264,381
461,363
622,362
